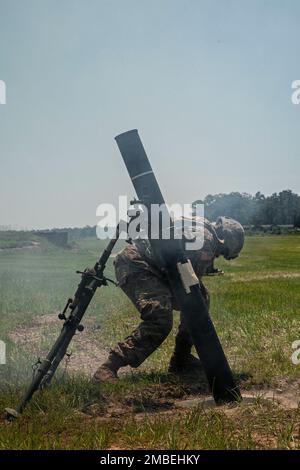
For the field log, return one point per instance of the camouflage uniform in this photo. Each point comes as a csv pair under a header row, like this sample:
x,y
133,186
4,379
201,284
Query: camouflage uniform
x,y
147,288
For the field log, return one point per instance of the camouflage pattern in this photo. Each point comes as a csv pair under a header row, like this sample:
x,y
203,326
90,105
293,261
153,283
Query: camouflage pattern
x,y
147,287
233,235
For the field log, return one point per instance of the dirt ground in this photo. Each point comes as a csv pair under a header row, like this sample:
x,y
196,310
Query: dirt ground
x,y
88,354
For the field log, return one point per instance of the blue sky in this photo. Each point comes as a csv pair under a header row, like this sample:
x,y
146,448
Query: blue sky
x,y
207,83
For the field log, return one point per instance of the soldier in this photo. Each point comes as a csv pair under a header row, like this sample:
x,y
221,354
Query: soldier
x,y
147,287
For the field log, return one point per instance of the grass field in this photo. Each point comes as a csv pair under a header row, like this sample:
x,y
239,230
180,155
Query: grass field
x,y
255,308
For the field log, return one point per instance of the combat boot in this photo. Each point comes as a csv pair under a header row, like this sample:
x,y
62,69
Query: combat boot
x,y
105,374
108,371
184,364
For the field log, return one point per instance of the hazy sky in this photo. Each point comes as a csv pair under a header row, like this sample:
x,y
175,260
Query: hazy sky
x,y
207,83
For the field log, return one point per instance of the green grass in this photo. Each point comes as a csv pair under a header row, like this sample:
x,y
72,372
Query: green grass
x,y
17,239
260,426
255,308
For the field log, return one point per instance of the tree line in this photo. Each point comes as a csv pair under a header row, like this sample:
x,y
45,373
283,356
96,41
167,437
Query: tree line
x,y
281,208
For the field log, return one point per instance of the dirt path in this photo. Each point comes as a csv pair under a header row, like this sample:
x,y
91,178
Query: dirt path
x,y
38,336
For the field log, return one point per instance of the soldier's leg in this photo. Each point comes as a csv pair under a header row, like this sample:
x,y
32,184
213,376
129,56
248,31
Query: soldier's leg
x,y
153,299
182,356
212,271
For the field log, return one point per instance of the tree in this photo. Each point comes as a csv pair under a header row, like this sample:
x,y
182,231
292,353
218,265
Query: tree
x,y
278,209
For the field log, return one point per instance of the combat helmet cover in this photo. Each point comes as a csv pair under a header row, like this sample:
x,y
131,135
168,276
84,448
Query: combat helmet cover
x,y
233,234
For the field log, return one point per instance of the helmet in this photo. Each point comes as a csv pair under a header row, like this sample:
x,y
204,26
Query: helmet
x,y
233,235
